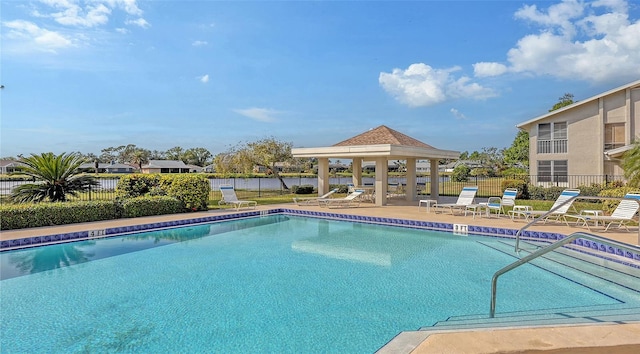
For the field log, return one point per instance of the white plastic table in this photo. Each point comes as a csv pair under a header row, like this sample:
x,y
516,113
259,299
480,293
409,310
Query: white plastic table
x,y
593,212
428,203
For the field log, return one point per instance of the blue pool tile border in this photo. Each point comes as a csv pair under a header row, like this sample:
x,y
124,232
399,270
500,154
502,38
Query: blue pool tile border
x,y
590,247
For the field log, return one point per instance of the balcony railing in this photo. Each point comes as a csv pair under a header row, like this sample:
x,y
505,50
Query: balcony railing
x,y
556,146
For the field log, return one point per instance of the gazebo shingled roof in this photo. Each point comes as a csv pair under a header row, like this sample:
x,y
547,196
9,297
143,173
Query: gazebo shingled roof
x,y
383,135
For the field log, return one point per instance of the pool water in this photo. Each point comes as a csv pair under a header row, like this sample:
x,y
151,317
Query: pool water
x,y
271,284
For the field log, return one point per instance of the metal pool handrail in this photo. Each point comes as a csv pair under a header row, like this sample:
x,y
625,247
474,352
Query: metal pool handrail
x,y
542,251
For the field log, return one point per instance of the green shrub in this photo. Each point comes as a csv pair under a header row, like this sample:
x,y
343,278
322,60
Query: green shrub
x,y
342,188
520,185
460,173
137,185
592,191
302,189
27,215
191,189
544,193
610,205
148,206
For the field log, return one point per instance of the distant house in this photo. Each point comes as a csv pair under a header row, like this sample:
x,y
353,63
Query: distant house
x,y
107,167
469,163
165,166
209,168
392,166
588,137
9,166
195,168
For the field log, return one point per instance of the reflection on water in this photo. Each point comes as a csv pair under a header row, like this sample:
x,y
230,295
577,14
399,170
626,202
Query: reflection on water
x,y
345,241
40,259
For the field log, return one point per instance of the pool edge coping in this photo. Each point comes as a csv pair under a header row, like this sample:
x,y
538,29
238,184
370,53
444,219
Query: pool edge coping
x,y
596,249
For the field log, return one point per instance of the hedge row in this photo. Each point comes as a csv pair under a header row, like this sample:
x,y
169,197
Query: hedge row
x,y
191,189
21,216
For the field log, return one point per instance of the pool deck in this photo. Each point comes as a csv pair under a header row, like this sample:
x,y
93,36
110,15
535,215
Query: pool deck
x,y
610,338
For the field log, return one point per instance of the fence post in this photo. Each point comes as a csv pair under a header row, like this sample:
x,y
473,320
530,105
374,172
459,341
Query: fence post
x,y
259,187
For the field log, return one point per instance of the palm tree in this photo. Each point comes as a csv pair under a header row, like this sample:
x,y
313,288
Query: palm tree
x,y
631,165
57,175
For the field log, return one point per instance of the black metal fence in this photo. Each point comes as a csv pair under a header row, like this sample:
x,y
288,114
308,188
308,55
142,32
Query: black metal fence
x,y
269,187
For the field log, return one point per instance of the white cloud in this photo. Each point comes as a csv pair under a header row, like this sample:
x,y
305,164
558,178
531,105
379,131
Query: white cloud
x,y
75,15
483,69
38,38
592,41
199,43
259,114
141,22
72,14
129,6
422,85
204,78
457,114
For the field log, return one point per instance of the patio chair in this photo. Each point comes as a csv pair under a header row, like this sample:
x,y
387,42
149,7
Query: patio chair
x,y
622,215
313,200
351,200
466,197
557,214
508,200
229,197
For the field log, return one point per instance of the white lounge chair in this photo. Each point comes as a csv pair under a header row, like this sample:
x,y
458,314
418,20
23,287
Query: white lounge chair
x,y
508,200
229,197
557,213
622,215
313,200
466,197
353,199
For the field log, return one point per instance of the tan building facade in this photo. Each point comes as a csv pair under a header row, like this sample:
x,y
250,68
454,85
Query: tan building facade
x,y
586,138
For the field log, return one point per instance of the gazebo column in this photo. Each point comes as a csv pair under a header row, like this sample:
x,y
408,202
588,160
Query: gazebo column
x,y
410,192
435,188
356,165
323,175
382,181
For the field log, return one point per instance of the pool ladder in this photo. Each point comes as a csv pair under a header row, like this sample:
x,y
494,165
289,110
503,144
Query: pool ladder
x,y
549,248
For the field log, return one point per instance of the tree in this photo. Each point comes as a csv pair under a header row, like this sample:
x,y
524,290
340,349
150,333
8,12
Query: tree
x,y
265,153
631,165
157,155
175,153
225,162
460,173
57,175
518,152
139,157
563,101
197,156
109,154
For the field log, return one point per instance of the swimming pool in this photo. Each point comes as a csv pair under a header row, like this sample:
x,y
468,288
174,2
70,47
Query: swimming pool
x,y
278,283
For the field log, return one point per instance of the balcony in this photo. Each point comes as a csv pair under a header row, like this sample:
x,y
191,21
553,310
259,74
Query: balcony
x,y
556,146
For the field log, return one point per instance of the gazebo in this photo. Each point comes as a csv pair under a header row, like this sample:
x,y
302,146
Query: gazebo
x,y
380,145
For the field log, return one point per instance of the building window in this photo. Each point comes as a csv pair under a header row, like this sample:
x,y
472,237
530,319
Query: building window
x,y
613,136
552,138
553,171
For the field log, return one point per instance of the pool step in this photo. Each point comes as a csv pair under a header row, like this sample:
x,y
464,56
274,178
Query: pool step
x,y
617,279
620,315
565,262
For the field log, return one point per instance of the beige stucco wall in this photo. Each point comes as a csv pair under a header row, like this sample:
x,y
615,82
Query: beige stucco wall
x,y
585,132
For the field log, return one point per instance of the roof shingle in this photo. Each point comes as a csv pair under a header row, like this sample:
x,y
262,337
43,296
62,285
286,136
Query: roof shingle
x,y
383,135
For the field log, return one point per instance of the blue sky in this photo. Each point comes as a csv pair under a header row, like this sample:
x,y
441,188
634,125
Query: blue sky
x,y
458,75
